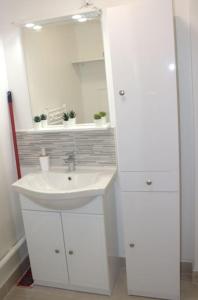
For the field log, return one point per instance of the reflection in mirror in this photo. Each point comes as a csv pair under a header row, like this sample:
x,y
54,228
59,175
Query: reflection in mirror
x,y
66,69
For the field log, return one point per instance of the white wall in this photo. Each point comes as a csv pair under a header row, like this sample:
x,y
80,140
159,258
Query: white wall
x,y
92,75
7,234
89,42
182,21
17,79
194,39
23,10
10,216
94,89
52,78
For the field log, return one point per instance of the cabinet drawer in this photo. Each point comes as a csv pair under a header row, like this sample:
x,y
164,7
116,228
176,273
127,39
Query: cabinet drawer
x,y
149,181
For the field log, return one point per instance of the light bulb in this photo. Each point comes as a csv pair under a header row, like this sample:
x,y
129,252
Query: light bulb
x,y
76,17
29,25
81,20
37,27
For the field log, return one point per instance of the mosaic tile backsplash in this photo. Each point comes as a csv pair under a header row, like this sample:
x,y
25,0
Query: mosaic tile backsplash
x,y
92,148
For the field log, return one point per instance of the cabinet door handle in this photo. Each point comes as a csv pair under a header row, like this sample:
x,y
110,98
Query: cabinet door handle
x,y
57,251
149,182
132,245
71,252
121,92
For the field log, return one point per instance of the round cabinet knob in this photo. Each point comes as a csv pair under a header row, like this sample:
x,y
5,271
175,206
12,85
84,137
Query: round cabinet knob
x,y
149,182
132,245
57,251
71,252
122,92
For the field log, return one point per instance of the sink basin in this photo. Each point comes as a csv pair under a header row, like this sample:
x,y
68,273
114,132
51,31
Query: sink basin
x,y
57,189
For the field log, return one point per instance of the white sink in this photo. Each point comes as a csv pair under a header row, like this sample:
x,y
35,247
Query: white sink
x,y
57,189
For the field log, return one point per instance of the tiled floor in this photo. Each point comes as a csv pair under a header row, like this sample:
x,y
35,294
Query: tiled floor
x,y
189,291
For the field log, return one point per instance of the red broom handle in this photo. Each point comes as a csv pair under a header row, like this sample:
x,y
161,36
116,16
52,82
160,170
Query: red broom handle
x,y
9,95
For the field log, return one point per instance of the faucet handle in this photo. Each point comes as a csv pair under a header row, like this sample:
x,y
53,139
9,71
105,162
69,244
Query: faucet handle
x,y
65,159
69,155
69,160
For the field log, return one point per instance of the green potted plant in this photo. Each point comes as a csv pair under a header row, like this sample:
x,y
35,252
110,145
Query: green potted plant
x,y
98,120
65,119
72,118
37,122
103,115
43,120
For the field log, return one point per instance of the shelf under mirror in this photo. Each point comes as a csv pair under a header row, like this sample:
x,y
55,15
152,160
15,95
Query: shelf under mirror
x,y
60,128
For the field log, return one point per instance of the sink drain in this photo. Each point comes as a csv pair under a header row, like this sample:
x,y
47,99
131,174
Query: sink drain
x,y
69,178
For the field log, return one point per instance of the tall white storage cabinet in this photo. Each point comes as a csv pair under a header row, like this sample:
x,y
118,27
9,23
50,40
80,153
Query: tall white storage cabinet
x,y
141,74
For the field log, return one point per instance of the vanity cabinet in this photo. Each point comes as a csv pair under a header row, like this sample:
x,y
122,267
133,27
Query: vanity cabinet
x,y
86,250
73,249
46,247
141,73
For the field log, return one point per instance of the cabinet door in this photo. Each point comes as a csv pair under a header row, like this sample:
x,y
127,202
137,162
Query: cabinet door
x,y
152,244
46,247
139,42
86,251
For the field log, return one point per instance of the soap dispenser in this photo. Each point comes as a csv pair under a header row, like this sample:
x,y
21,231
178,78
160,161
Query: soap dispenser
x,y
44,161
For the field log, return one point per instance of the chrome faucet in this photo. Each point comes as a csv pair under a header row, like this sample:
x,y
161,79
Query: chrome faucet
x,y
69,161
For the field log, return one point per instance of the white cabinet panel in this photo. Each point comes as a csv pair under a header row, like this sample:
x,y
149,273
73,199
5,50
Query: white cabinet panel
x,y
46,247
149,181
93,207
141,45
141,74
86,251
152,244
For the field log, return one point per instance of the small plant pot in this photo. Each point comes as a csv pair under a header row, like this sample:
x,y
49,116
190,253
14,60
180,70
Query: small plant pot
x,y
44,123
37,125
104,120
98,122
72,121
66,123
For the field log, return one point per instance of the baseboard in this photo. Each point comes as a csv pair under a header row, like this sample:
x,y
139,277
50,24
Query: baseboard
x,y
122,261
13,266
195,277
186,267
14,277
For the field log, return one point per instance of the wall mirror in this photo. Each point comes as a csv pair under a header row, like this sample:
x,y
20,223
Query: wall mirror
x,y
66,68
